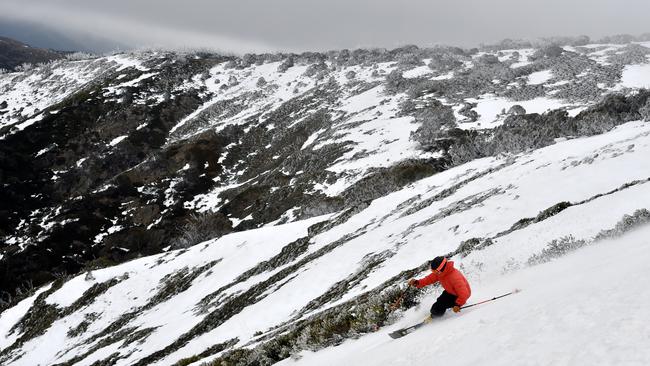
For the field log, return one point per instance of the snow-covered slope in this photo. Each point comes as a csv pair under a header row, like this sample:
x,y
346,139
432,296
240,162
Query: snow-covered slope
x,y
584,309
232,291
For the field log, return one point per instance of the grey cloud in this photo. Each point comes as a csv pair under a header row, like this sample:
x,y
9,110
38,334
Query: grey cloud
x,y
246,25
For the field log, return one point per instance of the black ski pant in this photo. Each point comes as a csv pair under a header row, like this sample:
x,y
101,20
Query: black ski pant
x,y
445,301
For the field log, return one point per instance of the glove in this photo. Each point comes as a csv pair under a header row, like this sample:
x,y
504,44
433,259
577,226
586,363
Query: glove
x,y
456,309
413,282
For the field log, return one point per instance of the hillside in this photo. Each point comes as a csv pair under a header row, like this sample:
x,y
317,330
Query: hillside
x,y
269,281
166,208
14,53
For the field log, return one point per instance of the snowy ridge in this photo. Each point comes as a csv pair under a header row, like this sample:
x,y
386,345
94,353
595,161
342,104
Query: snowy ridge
x,y
603,177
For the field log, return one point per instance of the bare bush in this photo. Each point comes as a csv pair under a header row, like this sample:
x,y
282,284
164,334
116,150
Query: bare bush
x,y
200,227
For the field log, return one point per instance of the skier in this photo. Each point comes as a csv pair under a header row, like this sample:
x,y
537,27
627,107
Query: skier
x,y
457,289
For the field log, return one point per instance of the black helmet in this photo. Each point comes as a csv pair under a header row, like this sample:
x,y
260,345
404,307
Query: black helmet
x,y
438,263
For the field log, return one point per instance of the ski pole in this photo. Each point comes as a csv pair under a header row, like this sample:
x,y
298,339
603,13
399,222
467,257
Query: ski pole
x,y
492,299
398,301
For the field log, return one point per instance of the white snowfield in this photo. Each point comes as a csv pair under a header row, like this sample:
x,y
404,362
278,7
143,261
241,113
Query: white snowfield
x,y
588,308
583,307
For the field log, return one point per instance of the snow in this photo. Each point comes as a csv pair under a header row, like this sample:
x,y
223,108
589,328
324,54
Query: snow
x,y
636,76
117,89
446,76
417,72
490,107
124,61
363,101
375,143
382,139
539,77
117,140
574,310
209,201
312,138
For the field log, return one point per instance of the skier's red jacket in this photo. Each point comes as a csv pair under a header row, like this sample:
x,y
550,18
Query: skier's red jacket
x,y
451,280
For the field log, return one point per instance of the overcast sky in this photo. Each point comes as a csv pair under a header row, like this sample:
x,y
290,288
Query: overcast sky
x,y
298,25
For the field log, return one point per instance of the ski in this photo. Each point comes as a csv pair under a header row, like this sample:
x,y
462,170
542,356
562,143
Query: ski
x,y
404,331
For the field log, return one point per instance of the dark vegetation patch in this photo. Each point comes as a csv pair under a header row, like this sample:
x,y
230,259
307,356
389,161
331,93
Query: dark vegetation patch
x,y
521,133
219,347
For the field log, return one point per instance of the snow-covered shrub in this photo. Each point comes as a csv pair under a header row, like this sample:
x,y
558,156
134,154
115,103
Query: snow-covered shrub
x,y
468,112
617,39
487,59
444,62
409,59
530,131
325,329
628,222
78,56
433,117
230,64
248,59
24,67
315,69
395,82
614,110
555,249
630,54
507,44
564,245
516,110
547,52
472,244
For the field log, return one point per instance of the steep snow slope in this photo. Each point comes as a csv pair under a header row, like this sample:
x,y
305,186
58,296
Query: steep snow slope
x,y
231,291
587,308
